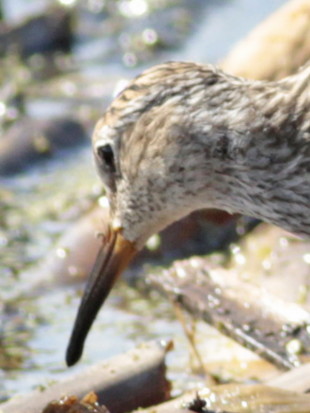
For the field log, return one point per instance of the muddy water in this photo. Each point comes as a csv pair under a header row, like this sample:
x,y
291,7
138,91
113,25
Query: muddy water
x,y
39,204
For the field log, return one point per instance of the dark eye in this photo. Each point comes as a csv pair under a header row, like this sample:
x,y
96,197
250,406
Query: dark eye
x,y
106,156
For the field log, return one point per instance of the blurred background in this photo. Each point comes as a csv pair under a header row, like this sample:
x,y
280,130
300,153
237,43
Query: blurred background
x,y
61,64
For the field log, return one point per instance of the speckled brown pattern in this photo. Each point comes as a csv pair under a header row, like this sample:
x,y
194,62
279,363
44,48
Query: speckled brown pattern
x,y
188,136
183,137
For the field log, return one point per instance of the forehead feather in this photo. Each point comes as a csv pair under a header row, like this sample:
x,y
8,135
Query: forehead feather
x,y
154,87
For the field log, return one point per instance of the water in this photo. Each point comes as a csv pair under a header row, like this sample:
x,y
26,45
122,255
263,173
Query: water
x,y
35,331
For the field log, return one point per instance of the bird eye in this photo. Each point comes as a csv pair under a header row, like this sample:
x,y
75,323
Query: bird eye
x,y
106,156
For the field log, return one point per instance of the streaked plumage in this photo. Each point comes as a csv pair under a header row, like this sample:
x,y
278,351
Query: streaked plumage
x,y
183,137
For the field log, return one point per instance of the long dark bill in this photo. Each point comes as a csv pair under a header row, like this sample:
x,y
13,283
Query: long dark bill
x,y
111,260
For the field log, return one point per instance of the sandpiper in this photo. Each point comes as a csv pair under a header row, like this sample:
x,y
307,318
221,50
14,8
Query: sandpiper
x,y
184,136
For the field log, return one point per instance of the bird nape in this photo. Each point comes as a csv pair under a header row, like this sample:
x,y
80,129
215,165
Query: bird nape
x,y
183,137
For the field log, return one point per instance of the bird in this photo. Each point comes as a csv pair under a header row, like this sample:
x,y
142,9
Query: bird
x,y
184,136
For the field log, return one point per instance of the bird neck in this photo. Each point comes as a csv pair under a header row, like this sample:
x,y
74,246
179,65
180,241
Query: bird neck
x,y
283,105
291,102
299,85
257,151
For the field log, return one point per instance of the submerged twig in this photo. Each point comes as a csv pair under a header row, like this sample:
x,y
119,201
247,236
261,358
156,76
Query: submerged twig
x,y
277,331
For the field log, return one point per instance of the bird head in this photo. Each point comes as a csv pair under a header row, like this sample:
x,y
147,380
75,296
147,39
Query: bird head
x,y
154,165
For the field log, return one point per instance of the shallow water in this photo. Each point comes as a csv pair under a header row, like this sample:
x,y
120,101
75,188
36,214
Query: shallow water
x,y
34,332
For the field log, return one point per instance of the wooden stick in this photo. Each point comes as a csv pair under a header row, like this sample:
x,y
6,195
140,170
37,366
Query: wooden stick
x,y
274,329
123,383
